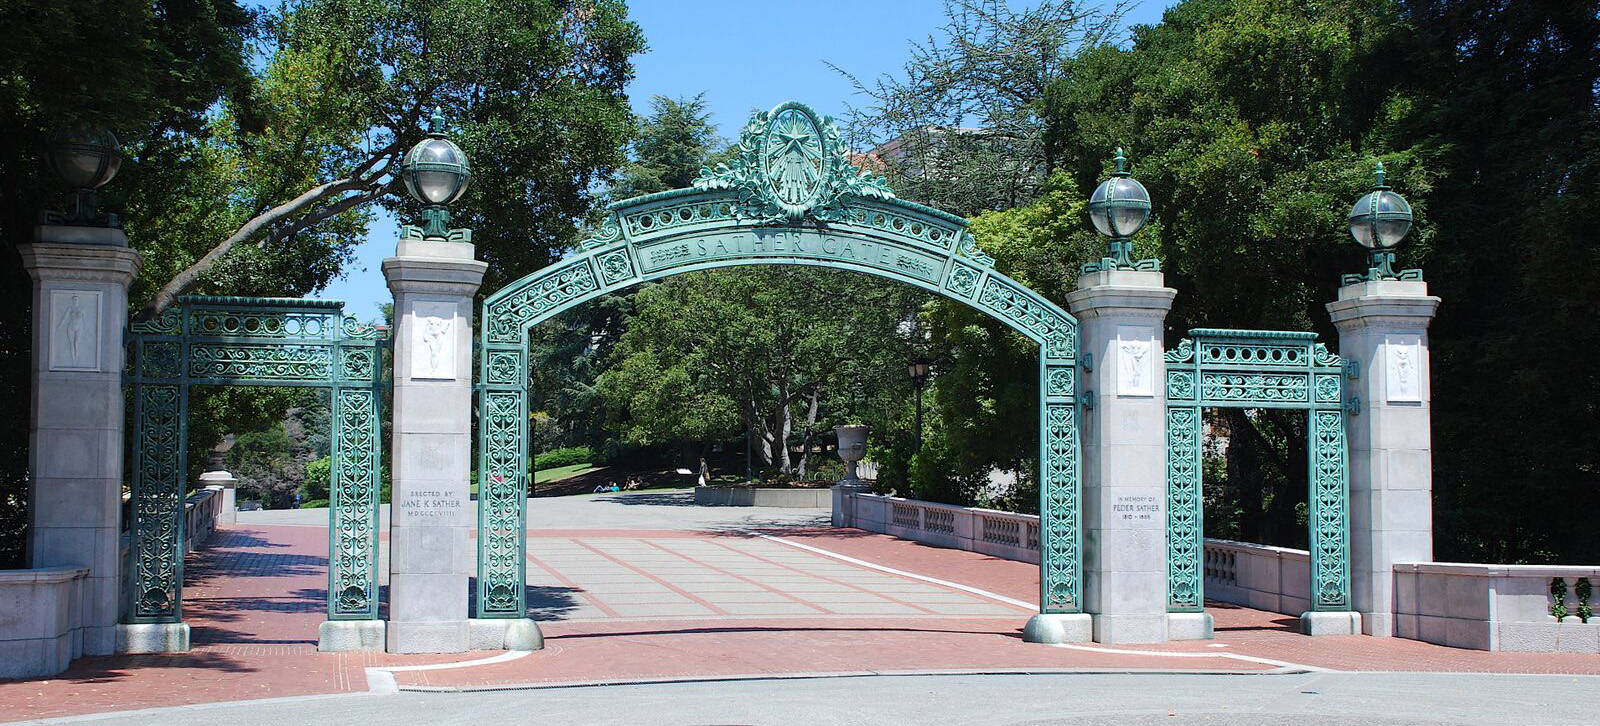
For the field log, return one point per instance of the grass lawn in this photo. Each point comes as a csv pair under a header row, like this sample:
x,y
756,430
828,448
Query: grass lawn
x,y
555,474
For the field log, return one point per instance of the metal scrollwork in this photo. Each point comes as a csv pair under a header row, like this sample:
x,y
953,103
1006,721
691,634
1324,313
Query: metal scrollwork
x,y
262,341
1256,369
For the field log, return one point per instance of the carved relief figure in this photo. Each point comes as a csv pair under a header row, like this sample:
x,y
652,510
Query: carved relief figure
x,y
1134,353
70,326
435,335
1405,369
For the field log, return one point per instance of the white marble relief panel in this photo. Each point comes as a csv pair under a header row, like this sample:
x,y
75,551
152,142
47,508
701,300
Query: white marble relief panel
x,y
1135,361
1403,368
433,341
74,335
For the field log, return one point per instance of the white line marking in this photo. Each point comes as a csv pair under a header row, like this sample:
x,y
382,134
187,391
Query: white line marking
x,y
382,680
870,565
1031,606
1188,654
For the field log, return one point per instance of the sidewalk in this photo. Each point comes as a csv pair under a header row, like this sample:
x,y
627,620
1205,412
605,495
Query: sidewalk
x,y
629,604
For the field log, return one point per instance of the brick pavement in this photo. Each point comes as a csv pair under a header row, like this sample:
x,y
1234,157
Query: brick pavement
x,y
660,604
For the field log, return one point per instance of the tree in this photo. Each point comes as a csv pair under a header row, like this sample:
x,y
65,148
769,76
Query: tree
x,y
1504,109
670,147
960,128
782,352
149,71
534,89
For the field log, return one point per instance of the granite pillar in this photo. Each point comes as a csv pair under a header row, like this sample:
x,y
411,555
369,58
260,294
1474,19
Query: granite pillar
x,y
1121,316
1383,333
80,308
431,517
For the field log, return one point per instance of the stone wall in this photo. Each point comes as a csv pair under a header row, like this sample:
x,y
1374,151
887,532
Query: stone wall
x,y
1493,607
1003,534
1484,607
762,497
43,611
1276,579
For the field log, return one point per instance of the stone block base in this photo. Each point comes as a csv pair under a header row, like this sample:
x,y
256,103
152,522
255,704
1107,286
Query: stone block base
x,y
1378,624
1190,626
1137,628
427,636
504,634
341,635
1054,628
153,638
1330,623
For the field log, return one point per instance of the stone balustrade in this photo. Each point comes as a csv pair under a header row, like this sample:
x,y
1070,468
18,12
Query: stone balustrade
x,y
1497,607
44,611
1485,607
1003,534
1275,579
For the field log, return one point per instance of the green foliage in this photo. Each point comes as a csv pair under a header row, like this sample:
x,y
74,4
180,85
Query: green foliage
x,y
319,474
787,352
564,457
148,70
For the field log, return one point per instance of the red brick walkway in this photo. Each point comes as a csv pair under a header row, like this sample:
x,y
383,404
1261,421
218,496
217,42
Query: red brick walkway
x,y
636,605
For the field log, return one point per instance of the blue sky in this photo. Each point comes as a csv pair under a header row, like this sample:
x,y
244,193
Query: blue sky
x,y
745,55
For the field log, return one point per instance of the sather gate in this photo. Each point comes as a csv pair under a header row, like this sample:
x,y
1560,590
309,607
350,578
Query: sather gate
x,y
791,197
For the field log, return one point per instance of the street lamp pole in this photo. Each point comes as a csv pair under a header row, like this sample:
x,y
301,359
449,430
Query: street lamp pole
x,y
919,377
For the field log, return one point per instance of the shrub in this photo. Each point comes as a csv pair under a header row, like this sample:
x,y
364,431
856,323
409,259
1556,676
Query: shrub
x,y
563,457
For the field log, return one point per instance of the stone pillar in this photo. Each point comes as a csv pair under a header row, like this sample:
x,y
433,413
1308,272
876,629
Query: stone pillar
x,y
226,483
1121,316
431,517
80,310
1383,333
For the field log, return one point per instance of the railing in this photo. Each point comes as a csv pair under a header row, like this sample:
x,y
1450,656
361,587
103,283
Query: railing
x,y
1277,579
201,511
1002,534
1498,607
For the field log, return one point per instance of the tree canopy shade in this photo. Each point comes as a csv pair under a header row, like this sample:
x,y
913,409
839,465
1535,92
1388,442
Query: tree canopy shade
x,y
257,142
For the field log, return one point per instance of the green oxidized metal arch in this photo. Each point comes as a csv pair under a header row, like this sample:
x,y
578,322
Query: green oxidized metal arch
x,y
253,342
1257,369
791,197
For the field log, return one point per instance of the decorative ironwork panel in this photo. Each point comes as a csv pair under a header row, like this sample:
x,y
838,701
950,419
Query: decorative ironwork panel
x,y
1329,512
1244,369
1013,303
353,507
1185,528
260,341
156,532
502,496
567,282
1060,558
1255,387
249,362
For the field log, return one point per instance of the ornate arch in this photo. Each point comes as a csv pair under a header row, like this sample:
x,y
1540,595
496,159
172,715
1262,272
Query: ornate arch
x,y
791,197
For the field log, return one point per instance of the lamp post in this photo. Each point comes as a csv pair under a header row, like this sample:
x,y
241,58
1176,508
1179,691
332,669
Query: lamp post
x,y
436,173
86,161
1119,208
1379,221
919,369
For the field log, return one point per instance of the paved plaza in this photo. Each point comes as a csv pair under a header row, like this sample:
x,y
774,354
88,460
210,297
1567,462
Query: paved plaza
x,y
761,616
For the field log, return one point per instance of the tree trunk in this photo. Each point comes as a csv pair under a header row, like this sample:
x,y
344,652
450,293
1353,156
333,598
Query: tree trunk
x,y
811,424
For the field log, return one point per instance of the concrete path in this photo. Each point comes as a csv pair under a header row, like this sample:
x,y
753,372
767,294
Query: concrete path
x,y
650,509
740,615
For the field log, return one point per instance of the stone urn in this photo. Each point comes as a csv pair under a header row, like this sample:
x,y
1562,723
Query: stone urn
x,y
852,449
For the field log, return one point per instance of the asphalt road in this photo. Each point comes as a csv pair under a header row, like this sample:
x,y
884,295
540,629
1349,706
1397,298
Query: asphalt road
x,y
1319,699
